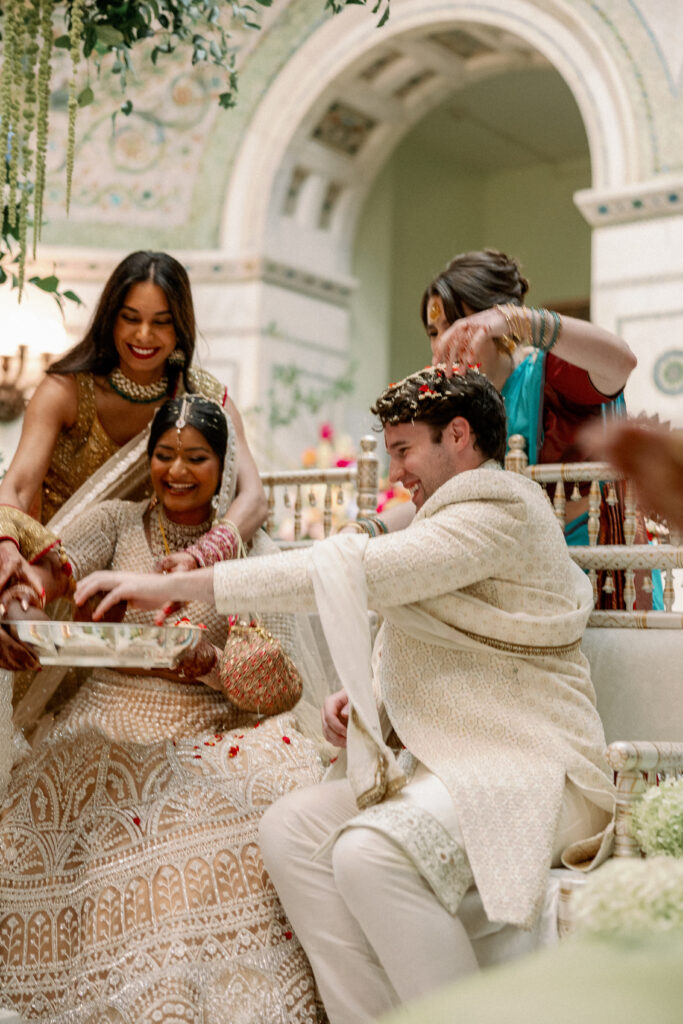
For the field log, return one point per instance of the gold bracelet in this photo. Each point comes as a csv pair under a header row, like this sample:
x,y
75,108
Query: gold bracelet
x,y
517,328
352,524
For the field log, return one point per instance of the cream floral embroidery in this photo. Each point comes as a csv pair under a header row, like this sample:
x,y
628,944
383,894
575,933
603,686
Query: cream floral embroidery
x,y
439,859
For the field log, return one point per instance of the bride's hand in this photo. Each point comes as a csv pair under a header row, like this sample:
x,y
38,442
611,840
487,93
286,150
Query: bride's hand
x,y
140,590
179,561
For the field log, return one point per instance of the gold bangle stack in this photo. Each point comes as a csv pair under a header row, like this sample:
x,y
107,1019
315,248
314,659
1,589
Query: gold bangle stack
x,y
370,524
529,326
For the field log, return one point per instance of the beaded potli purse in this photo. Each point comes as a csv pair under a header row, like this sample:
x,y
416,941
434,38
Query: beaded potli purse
x,y
256,672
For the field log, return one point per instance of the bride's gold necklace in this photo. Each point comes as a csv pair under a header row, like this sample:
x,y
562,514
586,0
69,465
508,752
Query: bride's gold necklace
x,y
177,536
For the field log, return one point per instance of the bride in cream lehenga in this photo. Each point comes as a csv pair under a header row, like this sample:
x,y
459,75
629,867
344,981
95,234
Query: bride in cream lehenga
x,y
131,883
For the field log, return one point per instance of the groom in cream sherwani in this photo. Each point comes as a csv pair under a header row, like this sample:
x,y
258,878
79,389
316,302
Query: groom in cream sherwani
x,y
478,678
478,670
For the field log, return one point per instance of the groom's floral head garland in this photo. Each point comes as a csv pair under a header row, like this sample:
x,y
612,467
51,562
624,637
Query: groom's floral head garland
x,y
432,397
417,396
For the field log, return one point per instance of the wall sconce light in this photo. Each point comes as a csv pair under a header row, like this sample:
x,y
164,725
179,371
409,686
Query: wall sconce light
x,y
30,338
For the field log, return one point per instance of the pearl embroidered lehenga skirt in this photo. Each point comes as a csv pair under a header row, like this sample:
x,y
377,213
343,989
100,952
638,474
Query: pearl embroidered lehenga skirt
x,y
131,882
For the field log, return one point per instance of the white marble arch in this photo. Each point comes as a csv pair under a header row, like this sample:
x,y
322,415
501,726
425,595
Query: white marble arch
x,y
634,198
279,133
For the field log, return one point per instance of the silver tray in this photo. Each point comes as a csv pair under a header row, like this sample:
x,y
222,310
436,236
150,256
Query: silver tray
x,y
113,644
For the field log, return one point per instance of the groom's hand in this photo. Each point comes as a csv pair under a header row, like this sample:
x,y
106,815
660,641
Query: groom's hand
x,y
138,590
335,718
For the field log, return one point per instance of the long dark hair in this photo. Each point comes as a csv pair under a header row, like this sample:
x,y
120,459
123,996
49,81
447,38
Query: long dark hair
x,y
478,280
204,415
96,352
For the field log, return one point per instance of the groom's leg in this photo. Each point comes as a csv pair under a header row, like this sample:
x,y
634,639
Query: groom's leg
x,y
353,984
419,943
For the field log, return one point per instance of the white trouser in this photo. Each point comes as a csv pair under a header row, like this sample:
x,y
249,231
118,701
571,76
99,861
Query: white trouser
x,y
374,932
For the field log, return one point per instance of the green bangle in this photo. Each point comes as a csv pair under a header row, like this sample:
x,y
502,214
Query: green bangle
x,y
556,329
367,525
373,525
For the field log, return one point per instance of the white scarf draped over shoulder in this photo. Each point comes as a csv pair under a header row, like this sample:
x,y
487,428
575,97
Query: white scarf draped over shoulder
x,y
338,577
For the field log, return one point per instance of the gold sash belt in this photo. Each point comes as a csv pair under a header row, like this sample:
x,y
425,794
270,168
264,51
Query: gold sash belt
x,y
532,650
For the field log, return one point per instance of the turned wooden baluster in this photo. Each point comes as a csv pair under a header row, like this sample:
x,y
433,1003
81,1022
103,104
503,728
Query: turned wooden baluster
x,y
629,537
516,459
594,530
368,476
297,512
668,590
270,521
327,511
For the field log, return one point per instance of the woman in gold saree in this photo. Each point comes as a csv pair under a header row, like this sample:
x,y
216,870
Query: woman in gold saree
x,y
88,418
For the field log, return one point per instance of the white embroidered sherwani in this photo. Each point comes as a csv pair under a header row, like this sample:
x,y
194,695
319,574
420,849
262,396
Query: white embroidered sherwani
x,y
501,708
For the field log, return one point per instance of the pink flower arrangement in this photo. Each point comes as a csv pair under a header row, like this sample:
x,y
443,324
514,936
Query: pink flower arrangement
x,y
392,496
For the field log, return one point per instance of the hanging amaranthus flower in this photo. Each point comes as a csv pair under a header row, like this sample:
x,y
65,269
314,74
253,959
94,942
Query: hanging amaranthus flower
x,y
31,21
12,115
75,35
6,96
44,74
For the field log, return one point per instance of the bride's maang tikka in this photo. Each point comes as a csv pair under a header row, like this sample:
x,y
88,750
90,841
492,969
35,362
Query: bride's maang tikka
x,y
182,416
